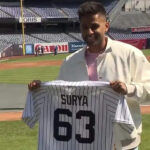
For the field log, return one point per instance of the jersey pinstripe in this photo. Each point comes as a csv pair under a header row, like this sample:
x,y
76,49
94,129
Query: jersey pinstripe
x,y
76,115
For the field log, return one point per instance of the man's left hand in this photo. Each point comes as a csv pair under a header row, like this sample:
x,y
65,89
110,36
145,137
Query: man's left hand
x,y
119,87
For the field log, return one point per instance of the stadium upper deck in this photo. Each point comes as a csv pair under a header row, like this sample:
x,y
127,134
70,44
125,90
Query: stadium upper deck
x,y
63,14
47,10
132,16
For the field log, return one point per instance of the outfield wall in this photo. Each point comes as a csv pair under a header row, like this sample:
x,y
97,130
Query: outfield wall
x,y
30,49
139,43
64,47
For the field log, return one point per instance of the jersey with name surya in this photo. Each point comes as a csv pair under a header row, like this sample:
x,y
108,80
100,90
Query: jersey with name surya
x,y
75,115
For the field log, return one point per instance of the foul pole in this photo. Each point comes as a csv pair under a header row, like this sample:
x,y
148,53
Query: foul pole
x,y
22,22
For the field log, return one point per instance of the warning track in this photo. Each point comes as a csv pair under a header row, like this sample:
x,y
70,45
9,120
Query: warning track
x,y
4,66
12,116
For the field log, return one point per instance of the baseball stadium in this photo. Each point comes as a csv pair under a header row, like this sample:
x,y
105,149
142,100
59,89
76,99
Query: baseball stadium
x,y
36,36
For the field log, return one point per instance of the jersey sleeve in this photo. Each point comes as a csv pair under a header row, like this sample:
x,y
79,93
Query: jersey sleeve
x,y
28,113
32,110
123,126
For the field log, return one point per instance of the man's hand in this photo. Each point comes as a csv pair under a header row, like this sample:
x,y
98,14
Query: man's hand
x,y
34,85
119,87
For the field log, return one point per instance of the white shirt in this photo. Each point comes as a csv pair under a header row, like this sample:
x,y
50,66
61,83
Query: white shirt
x,y
121,62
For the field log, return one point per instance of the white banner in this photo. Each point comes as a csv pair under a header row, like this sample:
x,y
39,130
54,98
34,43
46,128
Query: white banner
x,y
50,47
30,19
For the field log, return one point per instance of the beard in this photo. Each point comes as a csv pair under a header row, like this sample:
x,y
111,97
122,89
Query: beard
x,y
93,40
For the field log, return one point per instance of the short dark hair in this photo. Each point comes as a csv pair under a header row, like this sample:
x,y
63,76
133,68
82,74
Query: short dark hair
x,y
91,8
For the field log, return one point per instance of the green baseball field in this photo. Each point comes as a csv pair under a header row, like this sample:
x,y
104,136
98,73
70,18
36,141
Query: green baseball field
x,y
15,135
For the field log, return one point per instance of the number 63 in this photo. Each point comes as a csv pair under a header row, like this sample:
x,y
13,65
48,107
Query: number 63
x,y
81,113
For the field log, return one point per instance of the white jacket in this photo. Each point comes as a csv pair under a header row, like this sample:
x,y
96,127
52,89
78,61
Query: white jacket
x,y
121,62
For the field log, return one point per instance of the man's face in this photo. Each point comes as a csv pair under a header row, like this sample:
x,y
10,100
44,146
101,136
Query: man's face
x,y
93,29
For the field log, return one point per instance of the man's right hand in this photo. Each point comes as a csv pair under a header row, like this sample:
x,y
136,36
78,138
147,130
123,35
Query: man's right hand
x,y
34,85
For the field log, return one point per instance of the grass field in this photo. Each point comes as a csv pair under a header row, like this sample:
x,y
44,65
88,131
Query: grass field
x,y
15,135
38,58
25,75
146,52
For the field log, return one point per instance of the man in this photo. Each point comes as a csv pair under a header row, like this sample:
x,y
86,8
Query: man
x,y
55,50
37,51
42,50
123,65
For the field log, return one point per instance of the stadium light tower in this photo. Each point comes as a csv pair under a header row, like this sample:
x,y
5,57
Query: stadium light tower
x,y
22,22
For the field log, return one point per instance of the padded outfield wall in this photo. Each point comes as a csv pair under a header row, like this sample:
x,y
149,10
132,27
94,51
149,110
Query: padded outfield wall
x,y
62,47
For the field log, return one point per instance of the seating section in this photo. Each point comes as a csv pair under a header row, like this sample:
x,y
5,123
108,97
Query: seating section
x,y
122,24
123,36
4,15
3,45
17,38
110,5
47,12
125,21
54,37
69,9
15,12
8,39
76,35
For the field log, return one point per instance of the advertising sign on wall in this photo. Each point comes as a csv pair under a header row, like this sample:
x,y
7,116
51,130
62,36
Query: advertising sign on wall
x,y
30,20
139,43
29,49
140,29
50,47
74,46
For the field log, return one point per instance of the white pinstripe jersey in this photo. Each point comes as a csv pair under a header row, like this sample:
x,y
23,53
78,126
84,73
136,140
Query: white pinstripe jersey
x,y
76,115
